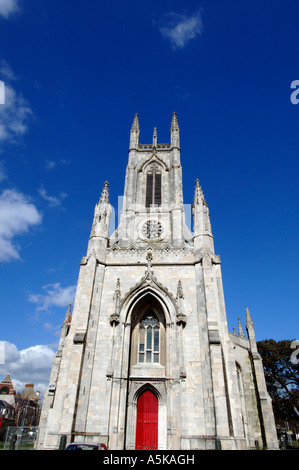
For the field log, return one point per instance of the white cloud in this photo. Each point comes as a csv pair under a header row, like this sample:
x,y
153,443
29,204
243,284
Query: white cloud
x,y
51,164
17,215
14,115
179,29
53,201
32,364
9,7
54,294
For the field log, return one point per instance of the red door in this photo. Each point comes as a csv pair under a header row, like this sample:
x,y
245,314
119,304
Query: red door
x,y
147,422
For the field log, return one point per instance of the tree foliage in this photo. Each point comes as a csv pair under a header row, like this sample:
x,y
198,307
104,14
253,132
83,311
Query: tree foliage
x,y
282,377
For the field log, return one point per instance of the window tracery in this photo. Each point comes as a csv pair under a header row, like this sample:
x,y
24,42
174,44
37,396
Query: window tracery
x,y
149,340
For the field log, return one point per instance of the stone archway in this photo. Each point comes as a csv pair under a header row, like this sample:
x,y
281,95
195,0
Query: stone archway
x,y
158,404
147,380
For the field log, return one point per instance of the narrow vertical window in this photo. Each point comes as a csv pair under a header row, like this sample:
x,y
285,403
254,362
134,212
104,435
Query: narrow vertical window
x,y
149,340
153,186
141,344
157,193
149,190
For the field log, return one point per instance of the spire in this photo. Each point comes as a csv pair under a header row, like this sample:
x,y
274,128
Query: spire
x,y
105,194
174,131
202,229
249,322
135,125
101,222
198,194
174,122
250,331
134,137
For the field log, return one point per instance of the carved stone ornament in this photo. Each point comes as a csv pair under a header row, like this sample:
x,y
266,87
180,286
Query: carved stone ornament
x,y
114,319
181,319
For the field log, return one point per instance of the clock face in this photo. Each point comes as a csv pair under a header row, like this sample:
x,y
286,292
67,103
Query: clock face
x,y
152,229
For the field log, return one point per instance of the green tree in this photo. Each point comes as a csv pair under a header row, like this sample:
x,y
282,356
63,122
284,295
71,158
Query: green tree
x,y
282,376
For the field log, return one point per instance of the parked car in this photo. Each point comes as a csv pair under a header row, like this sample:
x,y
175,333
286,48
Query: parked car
x,y
86,446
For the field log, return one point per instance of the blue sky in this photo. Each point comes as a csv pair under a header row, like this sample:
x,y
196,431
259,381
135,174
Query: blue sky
x,y
75,74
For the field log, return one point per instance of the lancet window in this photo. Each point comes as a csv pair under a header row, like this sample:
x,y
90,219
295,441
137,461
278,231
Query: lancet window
x,y
153,186
149,339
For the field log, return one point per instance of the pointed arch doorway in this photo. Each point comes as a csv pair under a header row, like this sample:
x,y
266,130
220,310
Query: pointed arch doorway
x,y
147,421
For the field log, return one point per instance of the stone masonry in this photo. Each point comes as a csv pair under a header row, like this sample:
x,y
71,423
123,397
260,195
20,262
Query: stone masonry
x,y
209,383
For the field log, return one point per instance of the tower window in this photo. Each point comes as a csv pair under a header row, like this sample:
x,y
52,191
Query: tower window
x,y
149,340
153,186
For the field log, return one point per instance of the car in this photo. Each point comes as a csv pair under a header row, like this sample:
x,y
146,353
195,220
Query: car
x,y
86,446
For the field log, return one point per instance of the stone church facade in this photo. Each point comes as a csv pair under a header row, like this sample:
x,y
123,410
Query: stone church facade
x,y
146,361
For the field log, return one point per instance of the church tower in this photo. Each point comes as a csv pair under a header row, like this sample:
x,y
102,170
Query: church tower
x,y
146,361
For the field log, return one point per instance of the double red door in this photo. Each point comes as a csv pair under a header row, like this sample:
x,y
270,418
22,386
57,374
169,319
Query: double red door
x,y
147,422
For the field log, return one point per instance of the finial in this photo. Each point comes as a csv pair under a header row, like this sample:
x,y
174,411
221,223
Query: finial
x,y
198,195
149,258
155,138
180,293
117,290
105,193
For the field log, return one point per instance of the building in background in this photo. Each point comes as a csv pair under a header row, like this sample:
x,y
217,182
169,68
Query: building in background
x,y
18,409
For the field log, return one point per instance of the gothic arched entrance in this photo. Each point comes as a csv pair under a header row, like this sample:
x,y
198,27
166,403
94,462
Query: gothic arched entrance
x,y
147,340
147,422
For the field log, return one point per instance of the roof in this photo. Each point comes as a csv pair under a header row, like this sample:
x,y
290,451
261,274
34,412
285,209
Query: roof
x,y
4,404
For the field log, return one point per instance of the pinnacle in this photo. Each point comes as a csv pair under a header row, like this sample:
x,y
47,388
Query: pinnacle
x,y
248,318
155,137
105,193
174,122
198,194
135,125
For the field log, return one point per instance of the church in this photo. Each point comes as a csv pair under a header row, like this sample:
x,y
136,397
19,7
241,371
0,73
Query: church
x,y
145,360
